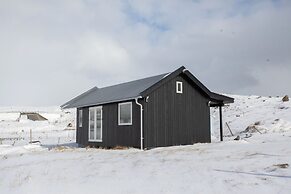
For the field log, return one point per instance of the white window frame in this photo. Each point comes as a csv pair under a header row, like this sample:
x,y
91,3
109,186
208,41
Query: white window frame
x,y
124,103
80,118
95,124
177,87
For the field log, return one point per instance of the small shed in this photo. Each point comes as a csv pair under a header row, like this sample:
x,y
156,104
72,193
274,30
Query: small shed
x,y
163,110
33,116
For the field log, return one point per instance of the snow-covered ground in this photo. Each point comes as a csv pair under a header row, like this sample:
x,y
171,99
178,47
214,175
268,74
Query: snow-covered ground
x,y
257,163
51,132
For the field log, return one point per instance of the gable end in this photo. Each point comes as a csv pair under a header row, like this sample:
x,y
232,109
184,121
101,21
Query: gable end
x,y
163,81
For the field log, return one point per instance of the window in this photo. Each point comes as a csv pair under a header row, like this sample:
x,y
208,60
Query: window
x,y
179,87
125,113
80,118
95,124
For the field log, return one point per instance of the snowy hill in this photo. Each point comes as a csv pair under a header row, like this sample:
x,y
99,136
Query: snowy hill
x,y
257,163
270,114
51,132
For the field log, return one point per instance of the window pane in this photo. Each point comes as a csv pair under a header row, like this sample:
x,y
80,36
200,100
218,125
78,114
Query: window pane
x,y
179,87
80,118
98,124
125,113
98,130
98,114
91,124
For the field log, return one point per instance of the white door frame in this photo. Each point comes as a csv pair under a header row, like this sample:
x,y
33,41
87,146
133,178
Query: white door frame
x,y
95,124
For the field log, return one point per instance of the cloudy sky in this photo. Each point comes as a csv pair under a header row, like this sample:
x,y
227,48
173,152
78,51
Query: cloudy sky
x,y
51,51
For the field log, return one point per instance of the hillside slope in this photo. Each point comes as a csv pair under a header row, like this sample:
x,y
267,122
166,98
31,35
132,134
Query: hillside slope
x,y
268,114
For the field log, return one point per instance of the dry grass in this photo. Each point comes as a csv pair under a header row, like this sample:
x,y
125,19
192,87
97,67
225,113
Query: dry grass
x,y
108,148
61,148
120,148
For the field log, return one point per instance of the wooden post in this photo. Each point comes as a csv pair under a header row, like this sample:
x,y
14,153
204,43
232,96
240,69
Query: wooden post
x,y
229,128
221,126
30,135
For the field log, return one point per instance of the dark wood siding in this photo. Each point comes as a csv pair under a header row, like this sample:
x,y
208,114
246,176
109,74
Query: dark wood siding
x,y
176,119
112,133
82,132
77,126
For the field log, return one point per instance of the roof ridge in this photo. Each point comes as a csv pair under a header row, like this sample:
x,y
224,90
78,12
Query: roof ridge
x,y
134,80
160,82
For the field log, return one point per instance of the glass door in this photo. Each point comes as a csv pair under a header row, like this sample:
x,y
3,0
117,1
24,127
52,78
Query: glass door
x,y
95,124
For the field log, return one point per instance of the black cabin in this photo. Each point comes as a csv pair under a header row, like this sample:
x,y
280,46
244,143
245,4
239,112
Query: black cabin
x,y
163,110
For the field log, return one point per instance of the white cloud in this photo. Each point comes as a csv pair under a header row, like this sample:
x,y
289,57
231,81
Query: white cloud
x,y
61,48
97,53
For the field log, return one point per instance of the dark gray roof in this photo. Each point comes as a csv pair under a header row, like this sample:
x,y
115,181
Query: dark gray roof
x,y
141,87
116,93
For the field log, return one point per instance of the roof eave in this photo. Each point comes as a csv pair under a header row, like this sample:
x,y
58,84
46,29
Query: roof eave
x,y
218,99
71,102
102,103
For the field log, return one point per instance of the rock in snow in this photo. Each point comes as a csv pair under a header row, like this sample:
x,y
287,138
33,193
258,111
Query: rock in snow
x,y
285,98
